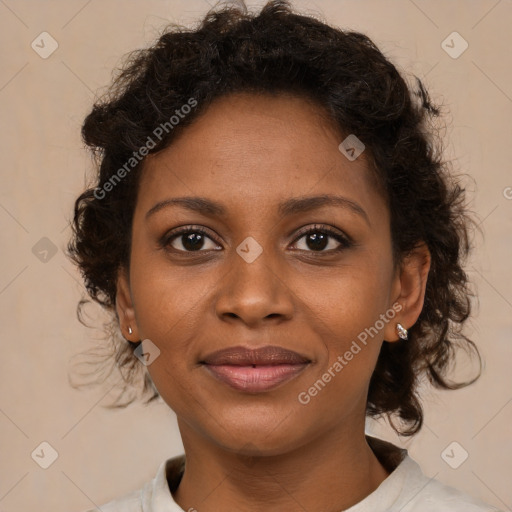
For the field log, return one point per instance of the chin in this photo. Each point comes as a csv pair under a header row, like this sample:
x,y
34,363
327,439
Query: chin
x,y
269,436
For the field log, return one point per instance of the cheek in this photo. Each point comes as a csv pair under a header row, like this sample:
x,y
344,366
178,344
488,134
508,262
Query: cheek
x,y
166,309
165,298
170,311
350,313
169,320
351,298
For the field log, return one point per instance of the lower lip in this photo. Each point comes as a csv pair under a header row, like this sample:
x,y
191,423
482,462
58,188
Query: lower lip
x,y
255,379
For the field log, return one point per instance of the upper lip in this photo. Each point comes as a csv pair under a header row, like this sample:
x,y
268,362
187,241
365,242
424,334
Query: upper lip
x,y
242,356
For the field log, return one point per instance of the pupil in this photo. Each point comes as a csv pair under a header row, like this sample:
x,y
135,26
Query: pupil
x,y
319,241
192,241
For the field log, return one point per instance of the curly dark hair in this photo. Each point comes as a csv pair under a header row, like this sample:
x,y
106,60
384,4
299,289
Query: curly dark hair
x,y
280,51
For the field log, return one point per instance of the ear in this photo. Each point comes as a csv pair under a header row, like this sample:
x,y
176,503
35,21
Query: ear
x,y
409,287
124,307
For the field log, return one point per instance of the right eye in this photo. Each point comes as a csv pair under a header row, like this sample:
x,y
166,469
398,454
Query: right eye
x,y
188,239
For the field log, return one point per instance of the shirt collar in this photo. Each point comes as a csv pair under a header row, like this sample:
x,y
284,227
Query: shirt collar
x,y
157,494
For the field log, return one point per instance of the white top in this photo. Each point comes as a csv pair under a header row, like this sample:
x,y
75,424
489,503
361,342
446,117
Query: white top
x,y
406,489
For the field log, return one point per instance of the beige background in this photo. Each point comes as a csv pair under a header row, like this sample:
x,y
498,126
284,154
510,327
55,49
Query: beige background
x,y
103,454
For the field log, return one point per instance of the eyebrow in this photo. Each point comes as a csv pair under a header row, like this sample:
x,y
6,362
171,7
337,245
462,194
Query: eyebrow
x,y
289,207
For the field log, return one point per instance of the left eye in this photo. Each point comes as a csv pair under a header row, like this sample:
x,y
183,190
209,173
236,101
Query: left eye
x,y
317,240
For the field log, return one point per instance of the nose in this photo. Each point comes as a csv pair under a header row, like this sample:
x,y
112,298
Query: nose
x,y
255,292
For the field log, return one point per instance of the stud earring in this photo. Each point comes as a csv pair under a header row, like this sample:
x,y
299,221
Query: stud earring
x,y
402,332
130,330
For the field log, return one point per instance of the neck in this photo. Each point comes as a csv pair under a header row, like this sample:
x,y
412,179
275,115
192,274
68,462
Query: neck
x,y
328,474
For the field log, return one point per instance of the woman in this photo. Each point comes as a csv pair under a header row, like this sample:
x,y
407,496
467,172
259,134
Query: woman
x,y
280,245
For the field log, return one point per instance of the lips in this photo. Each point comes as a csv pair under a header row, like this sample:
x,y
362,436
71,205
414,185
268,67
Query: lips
x,y
255,370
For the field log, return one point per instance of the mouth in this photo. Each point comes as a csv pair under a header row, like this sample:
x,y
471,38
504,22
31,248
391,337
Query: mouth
x,y
255,370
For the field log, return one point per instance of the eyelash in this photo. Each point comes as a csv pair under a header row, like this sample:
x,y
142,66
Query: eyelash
x,y
345,241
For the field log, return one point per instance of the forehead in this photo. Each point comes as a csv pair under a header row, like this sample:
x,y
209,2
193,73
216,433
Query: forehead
x,y
258,150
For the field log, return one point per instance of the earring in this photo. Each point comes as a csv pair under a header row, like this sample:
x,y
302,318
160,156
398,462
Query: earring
x,y
130,330
402,332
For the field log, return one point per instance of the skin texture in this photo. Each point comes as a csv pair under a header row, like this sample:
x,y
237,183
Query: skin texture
x,y
266,451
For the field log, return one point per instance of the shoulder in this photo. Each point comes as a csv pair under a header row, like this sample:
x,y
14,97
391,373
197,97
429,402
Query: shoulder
x,y
131,502
155,495
423,494
440,497
408,489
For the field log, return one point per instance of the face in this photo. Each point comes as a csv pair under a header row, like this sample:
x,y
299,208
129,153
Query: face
x,y
258,263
